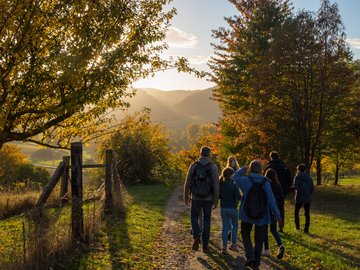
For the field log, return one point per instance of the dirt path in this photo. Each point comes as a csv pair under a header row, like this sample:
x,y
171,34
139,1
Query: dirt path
x,y
173,248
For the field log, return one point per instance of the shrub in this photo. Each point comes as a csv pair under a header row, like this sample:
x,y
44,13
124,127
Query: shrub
x,y
142,152
17,171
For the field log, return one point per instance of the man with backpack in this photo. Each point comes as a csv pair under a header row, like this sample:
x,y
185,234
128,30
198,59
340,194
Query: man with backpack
x,y
256,204
284,177
201,190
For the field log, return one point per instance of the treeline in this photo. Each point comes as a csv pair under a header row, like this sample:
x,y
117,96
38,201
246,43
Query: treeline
x,y
288,82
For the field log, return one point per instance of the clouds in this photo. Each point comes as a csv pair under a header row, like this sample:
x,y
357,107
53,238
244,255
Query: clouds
x,y
177,38
354,42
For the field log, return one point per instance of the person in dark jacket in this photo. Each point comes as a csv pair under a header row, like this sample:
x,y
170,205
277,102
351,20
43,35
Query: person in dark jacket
x,y
229,199
284,176
304,187
279,198
201,203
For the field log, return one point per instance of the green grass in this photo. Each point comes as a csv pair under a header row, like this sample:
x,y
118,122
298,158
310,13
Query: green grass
x,y
334,239
127,242
347,181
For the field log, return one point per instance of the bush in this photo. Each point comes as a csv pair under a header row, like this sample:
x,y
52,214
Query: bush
x,y
142,152
16,170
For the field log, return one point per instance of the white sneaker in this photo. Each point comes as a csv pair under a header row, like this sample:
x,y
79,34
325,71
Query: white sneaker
x,y
266,253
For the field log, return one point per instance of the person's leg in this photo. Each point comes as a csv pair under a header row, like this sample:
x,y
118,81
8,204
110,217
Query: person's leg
x,y
266,243
282,215
274,232
226,225
235,225
260,232
201,219
194,218
207,206
245,235
297,210
307,217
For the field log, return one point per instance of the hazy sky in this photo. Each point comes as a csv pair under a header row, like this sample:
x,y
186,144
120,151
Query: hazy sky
x,y
190,36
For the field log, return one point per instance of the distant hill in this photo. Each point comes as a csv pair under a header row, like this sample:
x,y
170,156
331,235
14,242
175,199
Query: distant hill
x,y
175,109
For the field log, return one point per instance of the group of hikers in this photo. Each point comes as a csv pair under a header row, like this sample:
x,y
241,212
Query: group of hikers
x,y
262,202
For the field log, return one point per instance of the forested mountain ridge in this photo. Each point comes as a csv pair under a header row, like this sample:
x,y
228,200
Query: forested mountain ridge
x,y
175,109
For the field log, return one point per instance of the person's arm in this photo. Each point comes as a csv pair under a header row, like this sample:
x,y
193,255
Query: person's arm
x,y
312,185
289,179
215,179
187,184
237,193
271,201
239,173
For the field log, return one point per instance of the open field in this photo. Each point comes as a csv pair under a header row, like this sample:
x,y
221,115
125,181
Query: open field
x,y
127,242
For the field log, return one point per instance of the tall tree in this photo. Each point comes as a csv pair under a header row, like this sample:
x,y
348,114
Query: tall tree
x,y
286,95
238,51
63,64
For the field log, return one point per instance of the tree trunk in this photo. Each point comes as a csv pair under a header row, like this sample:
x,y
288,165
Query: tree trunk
x,y
318,171
337,168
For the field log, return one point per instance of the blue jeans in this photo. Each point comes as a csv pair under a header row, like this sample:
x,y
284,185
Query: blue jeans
x,y
251,253
196,207
229,217
274,232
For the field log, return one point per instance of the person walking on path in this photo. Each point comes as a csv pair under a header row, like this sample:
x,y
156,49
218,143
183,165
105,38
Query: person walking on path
x,y
232,163
304,187
279,198
229,199
256,203
201,190
284,176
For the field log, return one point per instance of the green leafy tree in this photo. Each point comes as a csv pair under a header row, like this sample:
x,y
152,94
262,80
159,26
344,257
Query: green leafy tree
x,y
64,64
240,49
283,96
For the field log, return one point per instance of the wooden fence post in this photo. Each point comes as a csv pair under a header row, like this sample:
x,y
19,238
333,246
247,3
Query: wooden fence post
x,y
77,223
65,181
109,157
50,185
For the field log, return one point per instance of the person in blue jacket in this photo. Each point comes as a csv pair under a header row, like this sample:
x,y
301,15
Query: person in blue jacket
x,y
253,254
304,188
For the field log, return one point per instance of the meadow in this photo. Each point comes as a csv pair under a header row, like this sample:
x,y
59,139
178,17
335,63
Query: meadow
x,y
127,241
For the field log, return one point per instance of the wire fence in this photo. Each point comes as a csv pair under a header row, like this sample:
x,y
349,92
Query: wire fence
x,y
43,236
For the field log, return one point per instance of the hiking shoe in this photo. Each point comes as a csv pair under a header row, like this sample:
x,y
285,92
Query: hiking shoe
x,y
196,244
234,247
266,253
223,251
206,249
306,231
251,264
281,252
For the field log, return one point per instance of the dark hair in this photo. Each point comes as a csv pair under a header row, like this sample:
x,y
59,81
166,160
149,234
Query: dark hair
x,y
272,175
255,166
301,167
274,155
205,151
226,173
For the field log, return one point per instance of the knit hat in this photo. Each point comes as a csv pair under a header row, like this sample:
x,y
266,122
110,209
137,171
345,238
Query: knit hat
x,y
205,151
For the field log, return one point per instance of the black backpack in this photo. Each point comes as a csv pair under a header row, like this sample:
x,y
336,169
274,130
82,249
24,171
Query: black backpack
x,y
202,183
255,202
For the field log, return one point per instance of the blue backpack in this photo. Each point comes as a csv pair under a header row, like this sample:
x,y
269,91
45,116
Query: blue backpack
x,y
255,202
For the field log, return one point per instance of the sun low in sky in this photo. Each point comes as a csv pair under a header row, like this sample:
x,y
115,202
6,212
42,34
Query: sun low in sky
x,y
190,37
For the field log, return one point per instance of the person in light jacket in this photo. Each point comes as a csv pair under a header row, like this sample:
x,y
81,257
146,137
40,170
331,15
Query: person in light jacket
x,y
253,255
